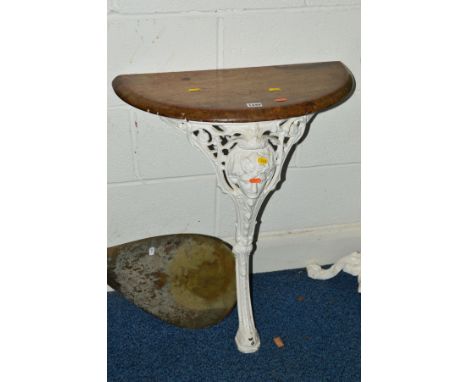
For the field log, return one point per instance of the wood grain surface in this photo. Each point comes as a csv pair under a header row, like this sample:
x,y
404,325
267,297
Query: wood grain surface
x,y
238,95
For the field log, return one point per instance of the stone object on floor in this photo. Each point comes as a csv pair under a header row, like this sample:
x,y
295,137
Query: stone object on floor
x,y
186,280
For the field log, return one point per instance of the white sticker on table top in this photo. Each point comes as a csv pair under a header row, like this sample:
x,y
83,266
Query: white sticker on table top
x,y
254,104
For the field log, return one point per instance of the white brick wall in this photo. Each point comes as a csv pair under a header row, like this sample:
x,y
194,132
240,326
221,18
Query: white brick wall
x,y
159,184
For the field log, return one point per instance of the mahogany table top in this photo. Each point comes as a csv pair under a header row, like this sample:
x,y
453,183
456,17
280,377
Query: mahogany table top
x,y
238,95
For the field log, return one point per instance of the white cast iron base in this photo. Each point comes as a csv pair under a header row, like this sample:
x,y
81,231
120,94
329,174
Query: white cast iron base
x,y
248,159
247,342
350,264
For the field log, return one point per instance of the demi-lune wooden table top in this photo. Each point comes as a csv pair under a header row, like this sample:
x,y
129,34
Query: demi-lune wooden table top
x,y
238,95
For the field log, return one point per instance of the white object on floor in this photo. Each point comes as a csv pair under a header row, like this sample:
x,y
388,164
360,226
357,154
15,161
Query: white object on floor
x,y
350,264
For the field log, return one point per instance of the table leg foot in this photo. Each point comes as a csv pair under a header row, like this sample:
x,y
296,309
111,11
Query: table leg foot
x,y
247,341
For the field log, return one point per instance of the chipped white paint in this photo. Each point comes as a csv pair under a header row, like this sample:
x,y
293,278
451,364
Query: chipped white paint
x,y
350,264
248,159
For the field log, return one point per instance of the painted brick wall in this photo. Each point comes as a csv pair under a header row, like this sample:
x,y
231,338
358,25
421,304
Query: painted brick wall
x,y
158,183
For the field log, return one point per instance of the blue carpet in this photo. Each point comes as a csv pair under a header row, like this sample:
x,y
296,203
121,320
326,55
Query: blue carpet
x,y
321,336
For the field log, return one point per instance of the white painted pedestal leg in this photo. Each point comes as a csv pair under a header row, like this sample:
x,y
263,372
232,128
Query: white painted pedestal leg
x,y
248,158
247,339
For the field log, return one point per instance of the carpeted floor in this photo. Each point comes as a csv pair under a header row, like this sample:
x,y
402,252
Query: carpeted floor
x,y
321,335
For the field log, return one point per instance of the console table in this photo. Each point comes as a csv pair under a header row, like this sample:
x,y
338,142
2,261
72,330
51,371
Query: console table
x,y
245,121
